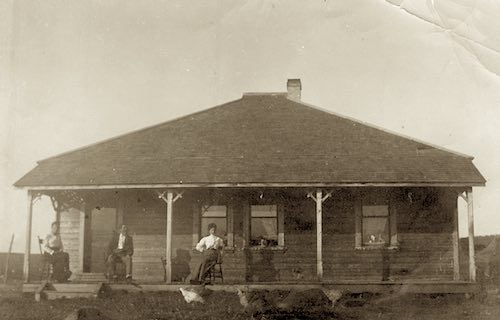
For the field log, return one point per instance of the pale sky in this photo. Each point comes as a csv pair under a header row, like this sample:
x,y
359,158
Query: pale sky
x,y
77,72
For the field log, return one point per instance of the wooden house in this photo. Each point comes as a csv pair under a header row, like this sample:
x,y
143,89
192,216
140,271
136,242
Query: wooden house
x,y
299,194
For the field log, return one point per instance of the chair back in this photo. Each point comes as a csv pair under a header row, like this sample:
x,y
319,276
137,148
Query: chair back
x,y
40,243
219,257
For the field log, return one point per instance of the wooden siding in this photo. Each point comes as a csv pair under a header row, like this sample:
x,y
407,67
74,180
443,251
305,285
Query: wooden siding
x,y
69,228
145,216
425,240
424,225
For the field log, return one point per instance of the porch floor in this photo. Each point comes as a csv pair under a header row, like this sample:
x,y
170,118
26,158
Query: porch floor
x,y
346,286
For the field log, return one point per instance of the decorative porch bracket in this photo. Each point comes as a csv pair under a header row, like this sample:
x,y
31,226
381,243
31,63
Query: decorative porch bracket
x,y
57,207
161,195
470,218
319,199
169,200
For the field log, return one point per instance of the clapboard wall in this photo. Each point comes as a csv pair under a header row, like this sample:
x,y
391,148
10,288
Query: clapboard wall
x,y
70,235
424,224
424,228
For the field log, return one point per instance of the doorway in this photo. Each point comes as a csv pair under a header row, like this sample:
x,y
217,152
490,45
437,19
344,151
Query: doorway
x,y
102,226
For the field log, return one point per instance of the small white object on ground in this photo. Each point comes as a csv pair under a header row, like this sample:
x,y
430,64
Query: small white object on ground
x,y
333,295
191,296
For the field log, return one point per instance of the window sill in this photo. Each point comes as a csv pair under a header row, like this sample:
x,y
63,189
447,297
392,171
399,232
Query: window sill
x,y
230,249
377,247
274,248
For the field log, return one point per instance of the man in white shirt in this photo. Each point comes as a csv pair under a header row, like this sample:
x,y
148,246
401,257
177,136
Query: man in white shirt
x,y
211,246
120,249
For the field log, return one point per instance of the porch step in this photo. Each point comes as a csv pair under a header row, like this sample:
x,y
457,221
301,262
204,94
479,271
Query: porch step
x,y
52,291
53,295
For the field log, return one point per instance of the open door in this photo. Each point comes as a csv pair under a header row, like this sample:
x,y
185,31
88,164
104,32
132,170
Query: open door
x,y
103,223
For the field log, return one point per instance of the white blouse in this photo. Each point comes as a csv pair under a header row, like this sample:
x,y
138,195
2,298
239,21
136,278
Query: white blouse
x,y
209,242
52,241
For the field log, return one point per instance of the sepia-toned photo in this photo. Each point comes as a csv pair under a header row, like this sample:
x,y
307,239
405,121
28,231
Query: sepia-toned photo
x,y
250,159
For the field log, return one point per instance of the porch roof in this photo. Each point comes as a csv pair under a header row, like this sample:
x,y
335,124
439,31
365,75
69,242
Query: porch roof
x,y
258,139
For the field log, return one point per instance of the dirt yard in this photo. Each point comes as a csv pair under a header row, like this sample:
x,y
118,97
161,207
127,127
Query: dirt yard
x,y
221,305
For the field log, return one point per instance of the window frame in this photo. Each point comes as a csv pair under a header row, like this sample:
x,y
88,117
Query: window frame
x,y
364,217
275,217
197,223
247,222
385,200
205,209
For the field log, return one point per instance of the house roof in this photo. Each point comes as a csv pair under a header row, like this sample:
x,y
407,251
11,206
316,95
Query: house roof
x,y
258,139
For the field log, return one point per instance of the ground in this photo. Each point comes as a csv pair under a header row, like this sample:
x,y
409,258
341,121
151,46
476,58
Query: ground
x,y
222,305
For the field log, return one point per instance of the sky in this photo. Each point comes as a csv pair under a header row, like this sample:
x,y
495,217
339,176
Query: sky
x,y
76,72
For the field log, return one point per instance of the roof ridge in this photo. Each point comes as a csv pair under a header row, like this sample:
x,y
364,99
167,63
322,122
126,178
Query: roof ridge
x,y
137,131
264,94
373,126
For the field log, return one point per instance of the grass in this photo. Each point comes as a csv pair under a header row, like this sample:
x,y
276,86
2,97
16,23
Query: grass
x,y
123,305
223,305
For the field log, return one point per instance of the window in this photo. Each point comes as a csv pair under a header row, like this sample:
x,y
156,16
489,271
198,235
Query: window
x,y
375,225
214,214
376,222
264,225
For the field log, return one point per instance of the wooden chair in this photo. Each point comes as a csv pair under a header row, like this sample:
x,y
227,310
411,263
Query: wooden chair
x,y
47,269
120,271
216,271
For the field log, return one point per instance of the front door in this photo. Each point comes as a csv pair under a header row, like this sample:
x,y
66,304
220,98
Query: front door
x,y
103,223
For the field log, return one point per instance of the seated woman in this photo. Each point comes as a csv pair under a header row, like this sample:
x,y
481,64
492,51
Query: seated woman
x,y
54,253
211,246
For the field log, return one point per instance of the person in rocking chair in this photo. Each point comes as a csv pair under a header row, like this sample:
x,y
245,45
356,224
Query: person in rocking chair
x,y
211,246
54,253
120,249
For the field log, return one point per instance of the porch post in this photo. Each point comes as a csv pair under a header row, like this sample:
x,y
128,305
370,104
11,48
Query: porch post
x,y
196,224
246,223
27,247
472,260
456,261
168,253
319,234
81,238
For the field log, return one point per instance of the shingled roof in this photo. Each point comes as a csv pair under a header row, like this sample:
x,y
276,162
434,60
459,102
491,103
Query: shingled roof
x,y
258,139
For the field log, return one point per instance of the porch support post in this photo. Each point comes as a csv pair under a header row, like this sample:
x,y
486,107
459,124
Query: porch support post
x,y
470,215
230,222
456,261
246,223
81,237
319,199
196,224
168,252
169,200
27,247
319,234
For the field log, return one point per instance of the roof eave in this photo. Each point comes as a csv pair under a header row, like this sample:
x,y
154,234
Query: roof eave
x,y
251,185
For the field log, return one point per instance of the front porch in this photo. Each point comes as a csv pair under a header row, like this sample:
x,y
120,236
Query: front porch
x,y
314,236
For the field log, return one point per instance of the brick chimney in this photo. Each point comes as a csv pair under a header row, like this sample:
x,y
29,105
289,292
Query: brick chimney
x,y
294,87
